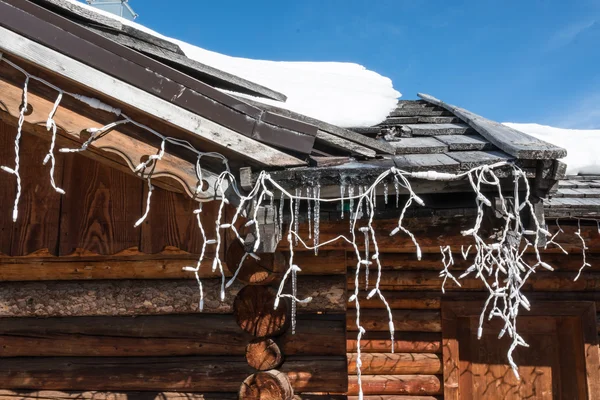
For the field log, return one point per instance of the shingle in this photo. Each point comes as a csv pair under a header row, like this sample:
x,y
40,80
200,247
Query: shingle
x,y
472,159
419,145
465,142
437,129
424,162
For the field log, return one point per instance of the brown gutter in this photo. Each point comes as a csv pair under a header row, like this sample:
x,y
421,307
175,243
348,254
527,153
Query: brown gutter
x,y
70,39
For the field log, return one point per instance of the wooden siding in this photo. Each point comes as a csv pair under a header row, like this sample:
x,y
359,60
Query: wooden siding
x,y
412,288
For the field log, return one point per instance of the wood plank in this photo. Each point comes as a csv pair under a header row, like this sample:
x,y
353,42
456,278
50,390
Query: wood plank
x,y
588,192
40,205
65,269
177,59
117,150
153,77
143,266
556,281
396,364
101,209
419,112
509,140
211,374
393,397
438,129
396,385
169,335
340,143
425,162
399,121
404,320
438,120
419,145
473,159
433,262
465,142
404,342
324,127
172,222
399,300
87,14
149,297
564,192
8,185
122,92
91,395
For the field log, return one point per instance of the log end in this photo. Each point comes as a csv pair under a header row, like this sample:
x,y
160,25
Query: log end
x,y
263,354
267,385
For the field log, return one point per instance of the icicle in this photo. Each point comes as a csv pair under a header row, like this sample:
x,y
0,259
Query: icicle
x,y
317,217
343,190
385,192
296,214
308,195
359,206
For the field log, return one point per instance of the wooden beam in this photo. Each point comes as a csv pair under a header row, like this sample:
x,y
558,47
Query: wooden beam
x,y
61,269
556,281
145,266
509,140
396,364
404,342
327,132
160,336
93,395
128,149
404,321
149,297
194,374
122,92
396,384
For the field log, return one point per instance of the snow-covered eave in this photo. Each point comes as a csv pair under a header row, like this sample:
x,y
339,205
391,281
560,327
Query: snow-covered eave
x,y
512,141
342,94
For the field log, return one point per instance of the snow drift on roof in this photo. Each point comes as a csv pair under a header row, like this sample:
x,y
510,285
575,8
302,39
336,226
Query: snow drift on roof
x,y
582,146
343,94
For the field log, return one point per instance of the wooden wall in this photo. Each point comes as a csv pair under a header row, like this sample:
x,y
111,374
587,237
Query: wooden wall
x,y
115,298
412,288
97,213
92,307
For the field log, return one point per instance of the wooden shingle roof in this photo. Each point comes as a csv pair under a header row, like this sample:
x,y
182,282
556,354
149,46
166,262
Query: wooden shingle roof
x,y
576,197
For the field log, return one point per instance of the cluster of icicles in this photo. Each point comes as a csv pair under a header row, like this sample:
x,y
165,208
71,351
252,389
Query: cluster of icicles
x,y
499,265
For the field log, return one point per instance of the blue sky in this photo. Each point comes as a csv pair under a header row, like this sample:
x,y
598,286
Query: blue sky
x,y
518,61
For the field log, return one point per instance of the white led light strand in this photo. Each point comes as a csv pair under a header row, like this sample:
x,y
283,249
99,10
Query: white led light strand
x,y
499,260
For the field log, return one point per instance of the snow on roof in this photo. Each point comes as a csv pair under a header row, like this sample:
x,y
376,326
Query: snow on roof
x,y
582,146
343,94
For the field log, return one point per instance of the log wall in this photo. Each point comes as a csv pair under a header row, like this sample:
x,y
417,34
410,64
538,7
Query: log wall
x,y
92,307
413,290
115,297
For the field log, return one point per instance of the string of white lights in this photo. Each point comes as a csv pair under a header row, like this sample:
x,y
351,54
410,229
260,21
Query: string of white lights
x,y
500,259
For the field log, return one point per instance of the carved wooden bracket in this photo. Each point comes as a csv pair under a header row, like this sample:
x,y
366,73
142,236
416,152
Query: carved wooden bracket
x,y
117,149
